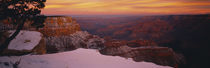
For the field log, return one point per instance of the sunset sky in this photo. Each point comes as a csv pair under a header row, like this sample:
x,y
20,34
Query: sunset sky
x,y
126,7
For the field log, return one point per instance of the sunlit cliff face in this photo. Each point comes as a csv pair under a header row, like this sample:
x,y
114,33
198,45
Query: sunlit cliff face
x,y
118,7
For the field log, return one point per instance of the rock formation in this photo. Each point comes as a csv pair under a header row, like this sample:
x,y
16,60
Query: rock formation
x,y
63,34
57,26
80,39
144,52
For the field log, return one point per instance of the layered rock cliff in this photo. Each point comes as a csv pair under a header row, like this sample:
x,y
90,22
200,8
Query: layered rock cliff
x,y
57,26
63,34
52,25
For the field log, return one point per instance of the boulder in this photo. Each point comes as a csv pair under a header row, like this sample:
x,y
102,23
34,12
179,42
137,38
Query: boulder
x,y
25,42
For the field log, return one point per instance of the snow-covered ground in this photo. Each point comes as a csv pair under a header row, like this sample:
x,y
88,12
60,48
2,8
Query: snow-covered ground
x,y
80,58
25,40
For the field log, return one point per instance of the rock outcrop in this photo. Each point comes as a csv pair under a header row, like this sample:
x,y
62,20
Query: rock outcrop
x,y
80,39
152,53
63,34
58,26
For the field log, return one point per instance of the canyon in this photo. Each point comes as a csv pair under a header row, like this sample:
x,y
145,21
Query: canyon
x,y
179,41
185,34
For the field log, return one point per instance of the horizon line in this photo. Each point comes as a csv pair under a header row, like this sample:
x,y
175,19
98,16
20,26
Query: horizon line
x,y
120,15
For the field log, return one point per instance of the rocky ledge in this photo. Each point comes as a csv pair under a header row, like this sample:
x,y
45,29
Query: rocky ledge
x,y
143,52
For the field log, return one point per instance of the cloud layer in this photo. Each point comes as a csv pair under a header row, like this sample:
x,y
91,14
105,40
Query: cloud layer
x,y
117,7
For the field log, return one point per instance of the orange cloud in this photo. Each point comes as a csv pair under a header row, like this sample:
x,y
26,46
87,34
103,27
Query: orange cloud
x,y
126,7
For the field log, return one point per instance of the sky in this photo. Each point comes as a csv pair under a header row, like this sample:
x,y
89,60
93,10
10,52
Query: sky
x,y
126,7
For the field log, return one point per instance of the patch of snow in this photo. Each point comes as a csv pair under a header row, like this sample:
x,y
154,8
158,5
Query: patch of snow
x,y
80,58
25,40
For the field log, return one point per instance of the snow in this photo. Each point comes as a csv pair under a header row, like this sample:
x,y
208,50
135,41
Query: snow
x,y
80,58
25,40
